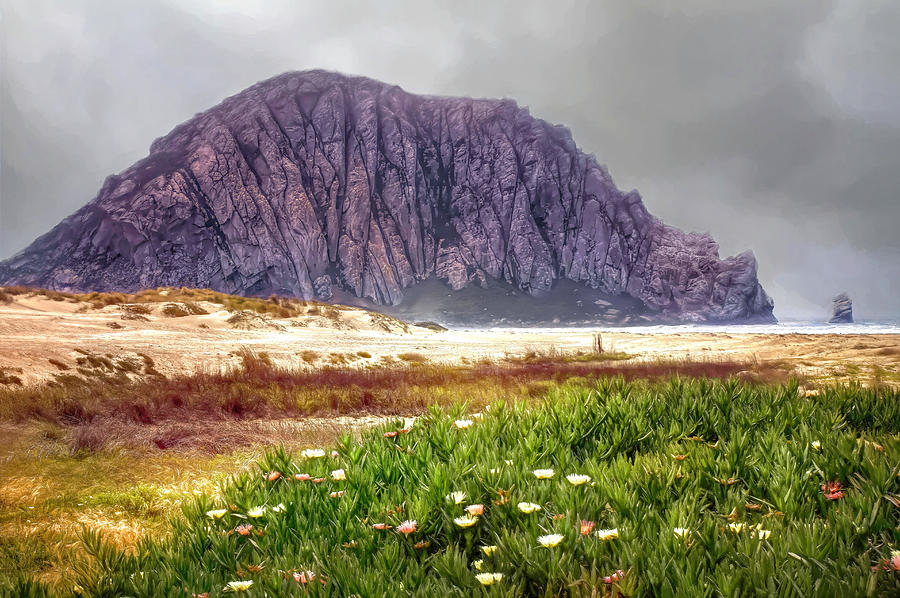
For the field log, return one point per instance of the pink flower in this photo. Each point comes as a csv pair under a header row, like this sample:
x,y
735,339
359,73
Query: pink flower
x,y
244,530
586,527
306,577
390,434
891,564
337,494
302,477
381,526
833,490
475,509
614,577
273,475
407,527
318,480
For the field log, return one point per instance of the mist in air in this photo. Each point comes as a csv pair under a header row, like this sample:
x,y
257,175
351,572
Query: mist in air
x,y
773,126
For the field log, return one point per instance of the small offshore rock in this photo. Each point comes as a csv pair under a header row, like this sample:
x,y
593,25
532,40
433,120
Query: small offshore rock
x,y
841,310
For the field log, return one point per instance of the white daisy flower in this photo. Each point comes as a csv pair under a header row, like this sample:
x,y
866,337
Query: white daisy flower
x,y
607,534
489,579
466,521
529,507
238,586
550,540
457,497
577,479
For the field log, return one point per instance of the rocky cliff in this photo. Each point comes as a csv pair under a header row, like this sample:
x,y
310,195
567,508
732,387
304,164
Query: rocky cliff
x,y
324,186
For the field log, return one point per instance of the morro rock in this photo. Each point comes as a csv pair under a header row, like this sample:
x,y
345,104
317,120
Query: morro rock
x,y
841,310
323,186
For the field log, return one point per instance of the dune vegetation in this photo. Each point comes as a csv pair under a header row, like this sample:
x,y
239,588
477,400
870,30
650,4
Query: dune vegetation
x,y
691,487
101,388
279,306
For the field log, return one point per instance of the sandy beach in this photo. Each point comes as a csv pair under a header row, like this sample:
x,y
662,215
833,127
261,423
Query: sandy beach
x,y
35,329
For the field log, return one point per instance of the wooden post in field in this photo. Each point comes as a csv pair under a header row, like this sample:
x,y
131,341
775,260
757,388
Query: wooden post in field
x,y
598,344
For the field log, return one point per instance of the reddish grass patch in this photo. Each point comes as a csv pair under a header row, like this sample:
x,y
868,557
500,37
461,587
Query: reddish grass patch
x,y
257,388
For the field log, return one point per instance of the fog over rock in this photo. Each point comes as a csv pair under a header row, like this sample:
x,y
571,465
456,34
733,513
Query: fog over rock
x,y
324,186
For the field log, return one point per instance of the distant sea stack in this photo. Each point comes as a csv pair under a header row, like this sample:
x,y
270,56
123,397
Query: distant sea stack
x,y
323,186
841,310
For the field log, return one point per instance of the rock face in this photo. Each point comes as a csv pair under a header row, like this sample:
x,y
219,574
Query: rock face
x,y
841,310
324,186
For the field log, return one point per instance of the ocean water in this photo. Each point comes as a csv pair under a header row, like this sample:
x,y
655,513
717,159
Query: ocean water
x,y
782,327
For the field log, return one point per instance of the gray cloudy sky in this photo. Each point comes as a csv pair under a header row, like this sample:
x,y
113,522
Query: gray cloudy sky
x,y
775,126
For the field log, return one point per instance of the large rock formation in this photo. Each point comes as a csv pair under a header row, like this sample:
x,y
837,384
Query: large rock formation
x,y
324,186
841,310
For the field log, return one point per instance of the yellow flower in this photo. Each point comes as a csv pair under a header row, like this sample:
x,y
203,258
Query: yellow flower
x,y
256,512
457,496
682,532
312,453
577,479
488,579
550,540
488,550
279,508
543,474
217,513
607,534
478,565
736,527
816,445
338,475
529,507
239,586
462,424
763,534
466,521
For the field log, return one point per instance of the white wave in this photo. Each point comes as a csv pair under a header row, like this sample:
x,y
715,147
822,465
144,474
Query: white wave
x,y
784,327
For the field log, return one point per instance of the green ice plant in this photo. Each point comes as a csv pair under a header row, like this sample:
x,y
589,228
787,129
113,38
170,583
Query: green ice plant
x,y
691,488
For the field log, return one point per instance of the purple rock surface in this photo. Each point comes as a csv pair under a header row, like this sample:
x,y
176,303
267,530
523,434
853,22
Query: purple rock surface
x,y
323,186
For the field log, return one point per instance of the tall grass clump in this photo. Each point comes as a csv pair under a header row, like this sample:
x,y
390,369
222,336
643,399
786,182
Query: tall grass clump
x,y
692,488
